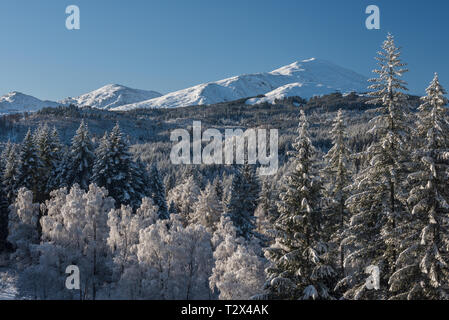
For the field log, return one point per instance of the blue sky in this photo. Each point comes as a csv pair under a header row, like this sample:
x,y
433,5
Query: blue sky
x,y
168,45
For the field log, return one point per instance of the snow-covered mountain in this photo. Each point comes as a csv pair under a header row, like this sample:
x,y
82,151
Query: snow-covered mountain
x,y
111,96
303,78
16,102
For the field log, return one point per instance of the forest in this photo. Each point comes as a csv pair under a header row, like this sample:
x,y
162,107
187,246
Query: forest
x,y
362,185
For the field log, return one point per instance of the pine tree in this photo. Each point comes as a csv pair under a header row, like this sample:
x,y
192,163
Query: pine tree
x,y
113,167
299,259
11,173
30,166
82,157
376,204
266,212
157,192
243,200
423,263
336,174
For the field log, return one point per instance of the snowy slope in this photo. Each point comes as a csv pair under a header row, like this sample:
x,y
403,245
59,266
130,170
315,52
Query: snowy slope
x,y
111,96
16,102
310,77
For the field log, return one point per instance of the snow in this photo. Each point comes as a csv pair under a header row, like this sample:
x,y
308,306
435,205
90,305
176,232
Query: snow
x,y
111,96
17,102
304,78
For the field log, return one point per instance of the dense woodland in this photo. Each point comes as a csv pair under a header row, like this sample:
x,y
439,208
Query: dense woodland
x,y
362,182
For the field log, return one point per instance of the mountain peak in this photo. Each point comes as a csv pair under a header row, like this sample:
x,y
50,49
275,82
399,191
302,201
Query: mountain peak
x,y
304,78
111,96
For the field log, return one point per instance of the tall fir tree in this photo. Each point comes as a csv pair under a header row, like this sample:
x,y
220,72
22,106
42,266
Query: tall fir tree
x,y
158,192
11,173
336,177
30,166
113,167
81,158
299,259
49,151
423,263
243,200
378,190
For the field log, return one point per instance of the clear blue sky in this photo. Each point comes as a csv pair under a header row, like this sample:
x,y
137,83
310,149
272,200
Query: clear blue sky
x,y
167,45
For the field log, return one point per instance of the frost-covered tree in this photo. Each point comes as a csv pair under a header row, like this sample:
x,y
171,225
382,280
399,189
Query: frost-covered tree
x,y
11,172
243,200
124,227
208,209
22,227
299,259
238,273
174,261
76,223
49,152
81,158
423,263
157,192
113,167
185,196
30,165
266,212
378,190
336,175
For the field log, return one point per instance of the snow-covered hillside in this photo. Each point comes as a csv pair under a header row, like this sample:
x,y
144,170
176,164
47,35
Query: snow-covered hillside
x,y
16,102
305,78
111,96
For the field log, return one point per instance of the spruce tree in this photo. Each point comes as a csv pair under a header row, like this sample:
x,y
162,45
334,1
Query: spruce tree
x,y
300,267
82,157
30,166
11,173
113,167
336,175
157,189
423,263
376,204
243,200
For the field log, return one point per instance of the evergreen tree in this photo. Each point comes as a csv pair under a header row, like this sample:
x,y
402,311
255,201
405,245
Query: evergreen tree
x,y
379,189
157,192
81,160
113,167
11,173
299,258
423,263
243,200
336,174
30,166
266,212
